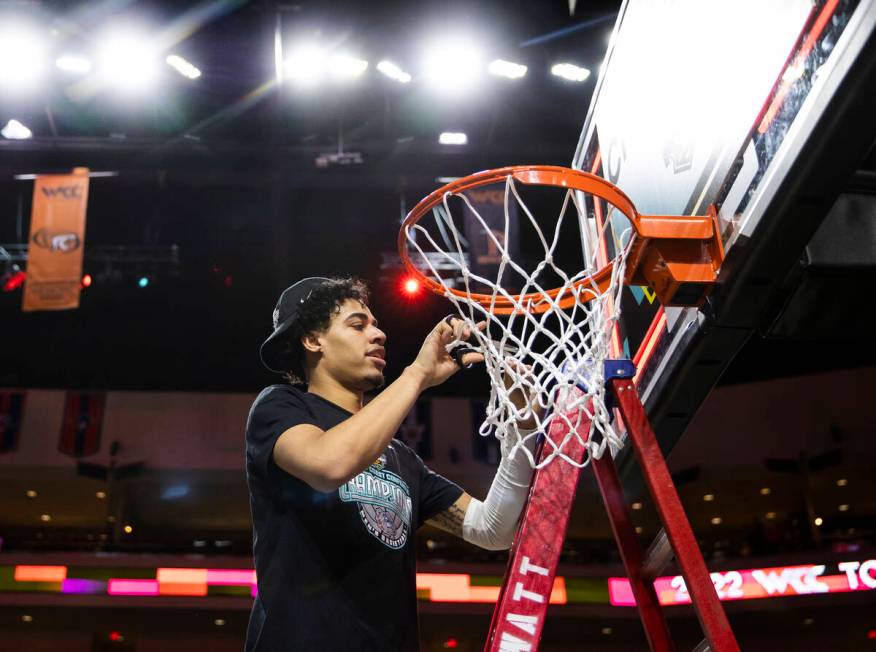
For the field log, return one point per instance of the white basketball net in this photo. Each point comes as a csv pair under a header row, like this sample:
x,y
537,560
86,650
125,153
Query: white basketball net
x,y
555,357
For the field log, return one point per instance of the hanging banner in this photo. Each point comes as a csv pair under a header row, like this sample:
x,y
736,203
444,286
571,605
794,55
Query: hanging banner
x,y
57,238
83,422
11,411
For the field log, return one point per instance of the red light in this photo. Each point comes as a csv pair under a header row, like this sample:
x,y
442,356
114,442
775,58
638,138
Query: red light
x,y
13,281
451,643
871,634
86,281
411,286
116,636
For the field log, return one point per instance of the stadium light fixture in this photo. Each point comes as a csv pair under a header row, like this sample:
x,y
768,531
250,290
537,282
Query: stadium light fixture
x,y
306,64
452,66
344,67
570,72
73,63
508,69
22,57
182,66
14,130
453,138
392,71
128,62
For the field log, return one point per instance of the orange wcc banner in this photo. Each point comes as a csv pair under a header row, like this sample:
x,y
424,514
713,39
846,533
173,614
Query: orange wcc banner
x,y
57,237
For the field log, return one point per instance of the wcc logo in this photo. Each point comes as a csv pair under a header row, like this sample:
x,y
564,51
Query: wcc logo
x,y
57,242
63,192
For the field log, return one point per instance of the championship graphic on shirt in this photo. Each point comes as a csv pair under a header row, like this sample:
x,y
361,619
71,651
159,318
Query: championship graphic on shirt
x,y
384,502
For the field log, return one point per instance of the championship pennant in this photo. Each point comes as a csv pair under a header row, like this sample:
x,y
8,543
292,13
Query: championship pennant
x,y
82,425
57,237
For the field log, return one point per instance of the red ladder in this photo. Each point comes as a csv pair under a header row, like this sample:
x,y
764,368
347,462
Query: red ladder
x,y
519,615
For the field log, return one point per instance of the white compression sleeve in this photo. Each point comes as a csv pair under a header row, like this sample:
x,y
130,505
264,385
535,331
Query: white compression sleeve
x,y
491,524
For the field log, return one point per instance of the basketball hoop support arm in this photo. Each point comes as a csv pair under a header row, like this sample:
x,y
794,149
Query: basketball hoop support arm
x,y
676,256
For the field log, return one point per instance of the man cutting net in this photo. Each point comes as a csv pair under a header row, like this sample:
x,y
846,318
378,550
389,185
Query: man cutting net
x,y
335,500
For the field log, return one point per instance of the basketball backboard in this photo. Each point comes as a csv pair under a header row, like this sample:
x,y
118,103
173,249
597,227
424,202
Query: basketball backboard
x,y
747,105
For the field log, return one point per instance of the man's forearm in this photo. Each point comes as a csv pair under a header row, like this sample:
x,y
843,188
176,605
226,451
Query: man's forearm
x,y
357,442
491,524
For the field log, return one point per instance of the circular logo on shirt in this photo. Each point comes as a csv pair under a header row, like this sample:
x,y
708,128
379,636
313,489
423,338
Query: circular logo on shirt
x,y
385,524
384,503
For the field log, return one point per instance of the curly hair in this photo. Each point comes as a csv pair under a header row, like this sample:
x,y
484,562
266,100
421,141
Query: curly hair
x,y
315,314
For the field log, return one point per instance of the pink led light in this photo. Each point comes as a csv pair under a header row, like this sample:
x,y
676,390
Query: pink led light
x,y
620,592
230,576
132,587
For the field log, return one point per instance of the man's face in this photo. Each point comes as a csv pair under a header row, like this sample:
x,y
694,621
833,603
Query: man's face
x,y
352,347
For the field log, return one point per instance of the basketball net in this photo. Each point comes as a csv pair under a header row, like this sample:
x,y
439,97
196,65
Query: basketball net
x,y
551,345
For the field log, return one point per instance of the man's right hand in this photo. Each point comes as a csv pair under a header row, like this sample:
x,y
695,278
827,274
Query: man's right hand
x,y
433,361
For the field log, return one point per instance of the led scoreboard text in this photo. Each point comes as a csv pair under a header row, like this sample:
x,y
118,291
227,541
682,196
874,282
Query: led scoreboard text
x,y
759,583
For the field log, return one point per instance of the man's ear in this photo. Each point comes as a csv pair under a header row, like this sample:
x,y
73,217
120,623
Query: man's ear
x,y
310,342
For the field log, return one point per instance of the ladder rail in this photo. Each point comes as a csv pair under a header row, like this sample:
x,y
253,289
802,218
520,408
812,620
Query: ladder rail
x,y
708,608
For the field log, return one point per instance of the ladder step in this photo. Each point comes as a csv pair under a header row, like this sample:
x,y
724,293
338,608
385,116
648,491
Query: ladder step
x,y
658,556
702,646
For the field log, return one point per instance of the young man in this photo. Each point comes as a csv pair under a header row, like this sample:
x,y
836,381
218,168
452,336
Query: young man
x,y
335,500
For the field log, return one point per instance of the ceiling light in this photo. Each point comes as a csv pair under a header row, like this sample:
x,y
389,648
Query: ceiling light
x,y
452,66
392,71
842,482
765,491
31,493
128,529
606,630
343,66
638,529
843,508
100,494
45,518
716,520
709,497
570,72
73,63
306,64
22,56
636,506
818,520
128,62
14,130
183,67
453,138
508,69
219,622
27,618
770,515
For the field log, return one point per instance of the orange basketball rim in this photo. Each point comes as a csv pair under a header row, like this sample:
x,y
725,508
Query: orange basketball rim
x,y
677,256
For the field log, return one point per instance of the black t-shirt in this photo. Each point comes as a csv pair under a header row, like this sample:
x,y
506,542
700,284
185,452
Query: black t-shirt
x,y
336,571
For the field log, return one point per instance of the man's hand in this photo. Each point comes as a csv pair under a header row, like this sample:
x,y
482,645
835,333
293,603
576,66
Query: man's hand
x,y
433,361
